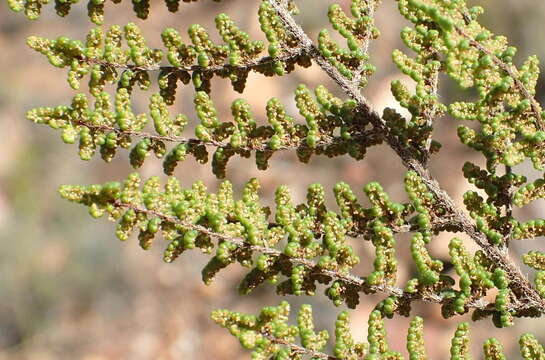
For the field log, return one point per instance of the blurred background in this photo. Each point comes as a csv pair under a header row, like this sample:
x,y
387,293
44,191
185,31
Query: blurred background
x,y
70,290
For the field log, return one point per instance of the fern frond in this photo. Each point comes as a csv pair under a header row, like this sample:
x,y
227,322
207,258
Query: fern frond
x,y
110,126
95,8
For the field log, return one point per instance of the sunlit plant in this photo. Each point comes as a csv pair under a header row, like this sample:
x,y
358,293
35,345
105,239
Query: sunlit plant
x,y
299,246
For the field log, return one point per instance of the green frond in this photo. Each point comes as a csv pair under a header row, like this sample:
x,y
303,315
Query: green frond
x,y
95,8
459,349
109,126
316,249
358,30
493,350
120,55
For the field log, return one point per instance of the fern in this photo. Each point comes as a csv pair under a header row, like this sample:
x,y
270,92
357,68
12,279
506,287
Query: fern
x,y
300,246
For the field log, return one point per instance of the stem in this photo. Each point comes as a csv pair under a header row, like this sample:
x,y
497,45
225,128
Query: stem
x,y
288,55
370,137
394,291
508,206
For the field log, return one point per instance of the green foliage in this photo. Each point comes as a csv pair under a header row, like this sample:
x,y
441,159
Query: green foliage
x,y
493,350
530,348
33,8
459,349
109,126
270,336
315,250
106,53
351,62
415,340
300,247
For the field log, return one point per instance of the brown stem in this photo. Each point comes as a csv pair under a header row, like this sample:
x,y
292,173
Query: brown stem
x,y
288,55
359,282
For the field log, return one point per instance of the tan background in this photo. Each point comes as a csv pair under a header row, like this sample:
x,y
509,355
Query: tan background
x,y
69,290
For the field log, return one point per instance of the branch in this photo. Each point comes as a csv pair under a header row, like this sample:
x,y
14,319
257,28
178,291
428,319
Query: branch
x,y
508,193
512,72
288,55
527,294
394,291
369,136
